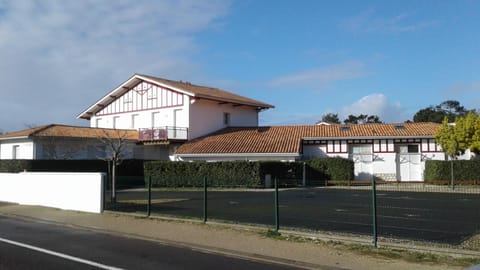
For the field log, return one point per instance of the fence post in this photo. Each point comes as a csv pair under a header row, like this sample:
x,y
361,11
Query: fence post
x,y
277,217
304,174
374,212
149,202
205,213
451,174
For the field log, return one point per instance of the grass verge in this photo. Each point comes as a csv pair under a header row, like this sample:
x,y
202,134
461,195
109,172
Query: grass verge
x,y
381,252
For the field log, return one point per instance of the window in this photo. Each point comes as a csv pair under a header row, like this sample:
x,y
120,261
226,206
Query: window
x,y
115,121
413,148
226,118
345,128
410,148
134,123
98,122
400,127
361,149
156,120
15,151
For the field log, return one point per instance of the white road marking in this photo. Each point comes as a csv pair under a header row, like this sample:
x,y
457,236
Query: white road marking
x,y
61,255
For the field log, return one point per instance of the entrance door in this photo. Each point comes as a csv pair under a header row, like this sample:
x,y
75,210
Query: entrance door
x,y
409,164
176,122
156,120
361,154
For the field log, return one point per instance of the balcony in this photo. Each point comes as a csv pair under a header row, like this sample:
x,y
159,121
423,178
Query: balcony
x,y
162,134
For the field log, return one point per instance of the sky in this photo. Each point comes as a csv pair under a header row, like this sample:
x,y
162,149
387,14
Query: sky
x,y
307,58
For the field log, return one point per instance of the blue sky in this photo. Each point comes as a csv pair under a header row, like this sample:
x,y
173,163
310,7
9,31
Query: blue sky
x,y
308,58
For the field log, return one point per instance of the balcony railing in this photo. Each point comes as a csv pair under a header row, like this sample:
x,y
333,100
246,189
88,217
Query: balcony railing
x,y
163,134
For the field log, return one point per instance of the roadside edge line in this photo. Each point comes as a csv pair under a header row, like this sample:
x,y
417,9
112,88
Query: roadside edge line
x,y
58,254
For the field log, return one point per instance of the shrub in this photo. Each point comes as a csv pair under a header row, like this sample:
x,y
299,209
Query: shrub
x,y
330,169
191,174
130,167
463,170
246,174
14,165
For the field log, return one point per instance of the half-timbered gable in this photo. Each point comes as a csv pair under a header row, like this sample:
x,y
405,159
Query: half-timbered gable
x,y
143,96
163,109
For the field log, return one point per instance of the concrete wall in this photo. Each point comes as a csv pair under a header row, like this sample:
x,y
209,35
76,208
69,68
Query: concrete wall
x,y
69,191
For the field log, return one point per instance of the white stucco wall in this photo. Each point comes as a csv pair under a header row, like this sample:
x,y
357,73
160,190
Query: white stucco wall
x,y
69,191
207,117
315,151
25,149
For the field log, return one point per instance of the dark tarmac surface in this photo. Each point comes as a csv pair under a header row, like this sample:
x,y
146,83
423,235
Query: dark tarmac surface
x,y
425,216
33,245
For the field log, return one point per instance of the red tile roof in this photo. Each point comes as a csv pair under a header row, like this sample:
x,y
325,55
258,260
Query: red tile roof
x,y
54,130
288,139
209,92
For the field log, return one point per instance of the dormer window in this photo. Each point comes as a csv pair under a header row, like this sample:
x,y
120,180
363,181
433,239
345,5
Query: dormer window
x,y
226,118
400,127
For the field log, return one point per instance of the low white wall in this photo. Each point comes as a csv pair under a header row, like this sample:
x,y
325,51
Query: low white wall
x,y
69,191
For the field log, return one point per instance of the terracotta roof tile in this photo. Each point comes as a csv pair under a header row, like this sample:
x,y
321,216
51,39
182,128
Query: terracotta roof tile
x,y
209,92
288,139
54,130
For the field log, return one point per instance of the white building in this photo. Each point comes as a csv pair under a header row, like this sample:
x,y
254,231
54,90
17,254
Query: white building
x,y
167,113
65,142
383,151
181,121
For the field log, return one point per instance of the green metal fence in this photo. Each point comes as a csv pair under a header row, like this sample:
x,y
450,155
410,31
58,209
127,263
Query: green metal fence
x,y
392,211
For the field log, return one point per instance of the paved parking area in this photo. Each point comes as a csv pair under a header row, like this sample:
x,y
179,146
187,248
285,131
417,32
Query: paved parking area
x,y
426,216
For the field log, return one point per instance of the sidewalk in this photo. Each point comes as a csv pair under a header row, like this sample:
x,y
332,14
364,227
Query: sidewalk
x,y
234,241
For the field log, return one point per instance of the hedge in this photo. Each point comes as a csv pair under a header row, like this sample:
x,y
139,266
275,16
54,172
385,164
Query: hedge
x,y
127,167
247,174
463,170
339,169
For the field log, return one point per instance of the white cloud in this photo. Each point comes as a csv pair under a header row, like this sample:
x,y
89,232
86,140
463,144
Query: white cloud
x,y
376,104
57,57
324,75
368,22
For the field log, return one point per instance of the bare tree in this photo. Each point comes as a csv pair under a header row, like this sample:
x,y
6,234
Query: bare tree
x,y
116,148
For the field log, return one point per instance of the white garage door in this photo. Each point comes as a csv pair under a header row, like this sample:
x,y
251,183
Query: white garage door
x,y
409,164
361,154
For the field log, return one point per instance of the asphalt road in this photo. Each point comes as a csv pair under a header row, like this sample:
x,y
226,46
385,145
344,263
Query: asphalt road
x,y
32,245
426,216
